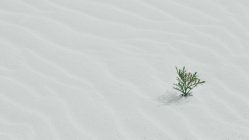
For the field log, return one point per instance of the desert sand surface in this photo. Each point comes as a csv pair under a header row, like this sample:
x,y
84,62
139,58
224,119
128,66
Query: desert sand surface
x,y
104,69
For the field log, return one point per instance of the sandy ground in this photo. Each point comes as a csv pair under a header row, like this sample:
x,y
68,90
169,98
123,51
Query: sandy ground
x,y
104,69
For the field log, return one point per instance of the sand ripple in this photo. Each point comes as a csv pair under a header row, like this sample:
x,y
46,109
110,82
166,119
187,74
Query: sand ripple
x,y
103,70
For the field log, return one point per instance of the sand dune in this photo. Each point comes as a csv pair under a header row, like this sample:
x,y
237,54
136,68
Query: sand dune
x,y
103,70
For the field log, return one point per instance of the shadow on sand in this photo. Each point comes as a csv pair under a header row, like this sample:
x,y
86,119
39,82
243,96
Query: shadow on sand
x,y
170,97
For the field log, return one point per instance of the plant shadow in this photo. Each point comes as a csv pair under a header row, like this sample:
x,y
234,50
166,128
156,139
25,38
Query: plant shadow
x,y
170,97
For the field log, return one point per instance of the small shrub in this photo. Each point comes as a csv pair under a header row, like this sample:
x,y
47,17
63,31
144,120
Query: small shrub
x,y
186,81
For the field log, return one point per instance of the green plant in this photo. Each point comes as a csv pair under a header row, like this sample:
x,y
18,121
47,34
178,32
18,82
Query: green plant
x,y
186,81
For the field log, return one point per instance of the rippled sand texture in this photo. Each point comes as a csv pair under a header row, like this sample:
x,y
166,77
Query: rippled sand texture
x,y
103,70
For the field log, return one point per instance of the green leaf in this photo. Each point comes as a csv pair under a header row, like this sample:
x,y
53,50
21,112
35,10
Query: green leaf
x,y
186,81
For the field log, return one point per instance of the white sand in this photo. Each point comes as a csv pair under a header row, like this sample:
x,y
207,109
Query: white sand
x,y
103,70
